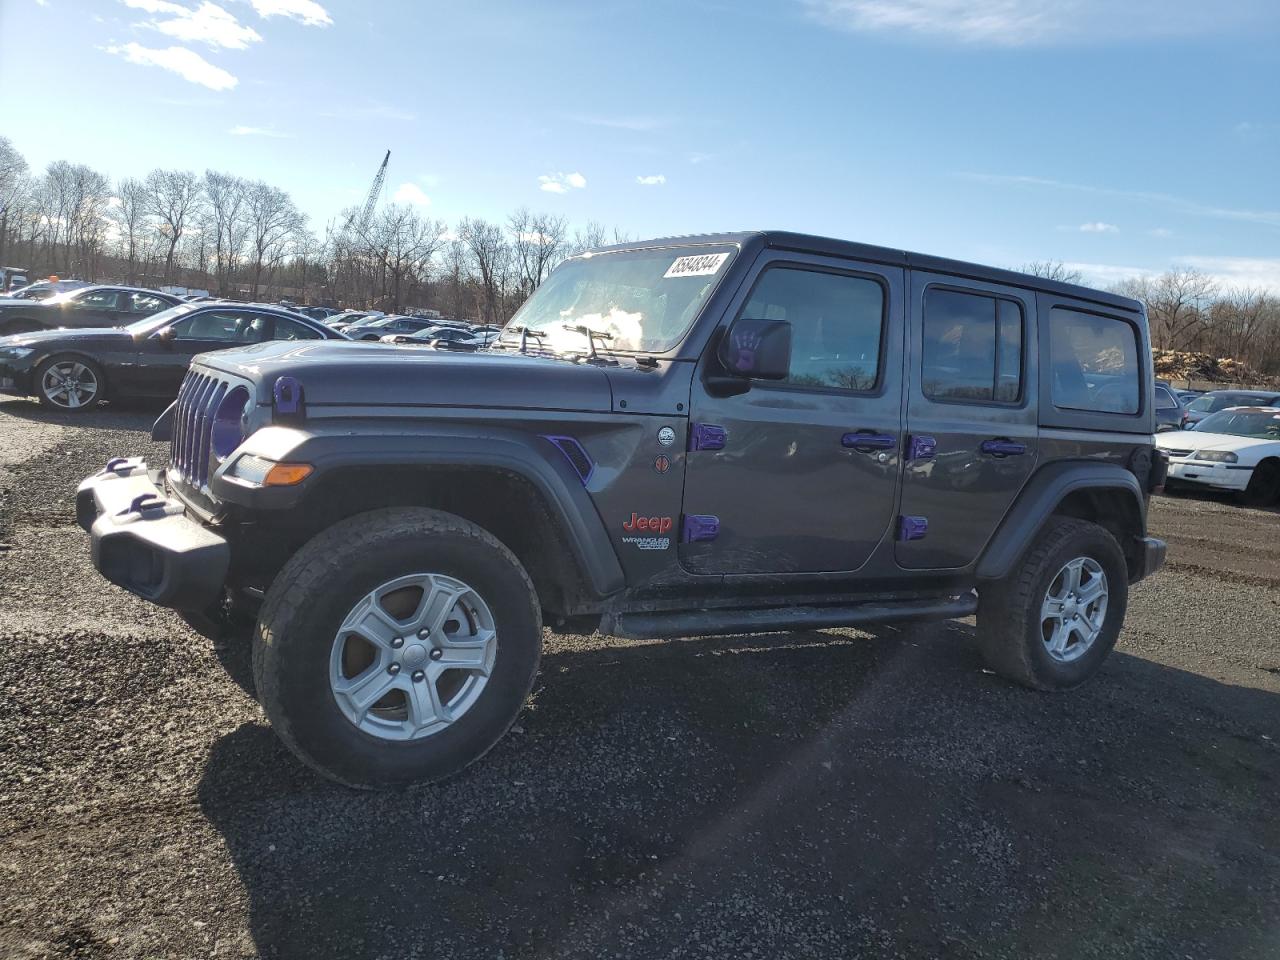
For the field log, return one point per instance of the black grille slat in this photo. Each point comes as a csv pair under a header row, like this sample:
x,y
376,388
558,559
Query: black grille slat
x,y
195,421
189,450
205,435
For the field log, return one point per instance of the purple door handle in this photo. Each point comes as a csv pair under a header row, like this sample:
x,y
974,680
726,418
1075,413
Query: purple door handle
x,y
869,441
1004,448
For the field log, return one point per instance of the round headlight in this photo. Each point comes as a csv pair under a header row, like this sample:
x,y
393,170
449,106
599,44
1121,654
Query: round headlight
x,y
228,429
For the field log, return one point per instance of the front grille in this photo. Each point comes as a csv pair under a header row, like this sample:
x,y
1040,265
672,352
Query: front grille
x,y
198,399
1177,454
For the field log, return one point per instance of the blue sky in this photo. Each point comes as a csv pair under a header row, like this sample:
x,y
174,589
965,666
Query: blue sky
x,y
1122,136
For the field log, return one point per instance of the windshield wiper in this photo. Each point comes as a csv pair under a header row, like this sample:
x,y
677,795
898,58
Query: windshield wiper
x,y
591,334
525,333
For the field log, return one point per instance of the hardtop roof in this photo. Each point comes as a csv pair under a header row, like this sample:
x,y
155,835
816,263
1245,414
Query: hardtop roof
x,y
812,243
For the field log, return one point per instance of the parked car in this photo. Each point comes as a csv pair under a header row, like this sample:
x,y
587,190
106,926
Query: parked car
x,y
319,313
1171,412
92,306
13,278
44,289
364,319
76,369
767,431
1236,449
452,337
1186,396
389,325
1216,400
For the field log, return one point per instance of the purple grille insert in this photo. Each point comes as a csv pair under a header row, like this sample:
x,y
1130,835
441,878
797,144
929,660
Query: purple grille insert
x,y
708,436
912,528
577,456
698,528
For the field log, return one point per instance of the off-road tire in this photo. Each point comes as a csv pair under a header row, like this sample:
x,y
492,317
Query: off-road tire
x,y
1009,629
1264,486
318,587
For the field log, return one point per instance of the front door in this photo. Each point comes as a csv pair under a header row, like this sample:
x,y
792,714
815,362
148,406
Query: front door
x,y
164,359
971,417
800,475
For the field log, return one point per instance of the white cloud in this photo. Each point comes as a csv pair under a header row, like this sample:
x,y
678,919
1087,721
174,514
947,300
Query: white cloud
x,y
412,194
1016,23
185,63
1160,233
242,131
307,12
1098,226
655,180
561,182
1255,272
208,23
636,124
696,158
1269,218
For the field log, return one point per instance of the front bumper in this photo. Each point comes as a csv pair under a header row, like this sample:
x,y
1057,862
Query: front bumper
x,y
146,542
15,378
1219,476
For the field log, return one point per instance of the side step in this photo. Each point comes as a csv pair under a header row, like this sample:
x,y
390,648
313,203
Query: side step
x,y
644,625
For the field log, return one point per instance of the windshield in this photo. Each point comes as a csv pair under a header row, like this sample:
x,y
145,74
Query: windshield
x,y
158,320
646,300
1258,424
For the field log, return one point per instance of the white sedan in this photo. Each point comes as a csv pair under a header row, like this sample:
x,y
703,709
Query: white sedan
x,y
1237,449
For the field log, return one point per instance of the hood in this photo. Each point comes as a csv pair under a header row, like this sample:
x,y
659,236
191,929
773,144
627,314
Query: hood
x,y
37,337
336,372
1199,440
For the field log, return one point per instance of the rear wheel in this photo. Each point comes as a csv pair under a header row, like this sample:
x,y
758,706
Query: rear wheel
x,y
1054,620
397,646
1264,485
69,383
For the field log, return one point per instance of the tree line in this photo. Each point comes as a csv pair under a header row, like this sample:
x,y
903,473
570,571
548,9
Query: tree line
x,y
246,239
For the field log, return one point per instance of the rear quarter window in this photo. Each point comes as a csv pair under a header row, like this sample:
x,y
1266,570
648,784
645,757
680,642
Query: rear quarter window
x,y
1094,363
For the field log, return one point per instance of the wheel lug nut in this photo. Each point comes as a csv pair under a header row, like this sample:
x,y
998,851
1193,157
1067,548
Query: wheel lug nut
x,y
398,642
418,676
393,669
436,653
424,633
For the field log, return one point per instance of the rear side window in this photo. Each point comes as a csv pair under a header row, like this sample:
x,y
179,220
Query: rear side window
x,y
836,325
1094,362
292,330
1165,400
972,348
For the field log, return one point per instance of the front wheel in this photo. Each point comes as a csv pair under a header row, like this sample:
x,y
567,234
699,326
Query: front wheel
x,y
1050,625
397,646
69,383
1264,485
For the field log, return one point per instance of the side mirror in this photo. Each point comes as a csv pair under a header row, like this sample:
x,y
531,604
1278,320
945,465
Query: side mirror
x,y
166,334
757,349
1167,427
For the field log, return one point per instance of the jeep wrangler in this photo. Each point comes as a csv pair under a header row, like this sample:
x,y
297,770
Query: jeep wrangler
x,y
735,433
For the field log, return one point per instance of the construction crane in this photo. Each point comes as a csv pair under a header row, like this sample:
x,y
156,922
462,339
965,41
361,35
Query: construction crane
x,y
360,222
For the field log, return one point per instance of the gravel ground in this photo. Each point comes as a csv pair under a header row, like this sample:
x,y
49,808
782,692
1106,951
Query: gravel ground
x,y
822,794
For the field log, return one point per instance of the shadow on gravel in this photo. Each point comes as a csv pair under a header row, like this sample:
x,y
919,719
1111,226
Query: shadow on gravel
x,y
808,795
117,415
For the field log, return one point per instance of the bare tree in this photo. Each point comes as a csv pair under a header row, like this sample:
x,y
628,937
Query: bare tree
x,y
405,243
130,216
228,222
1052,270
13,185
537,245
1177,305
491,260
172,198
273,222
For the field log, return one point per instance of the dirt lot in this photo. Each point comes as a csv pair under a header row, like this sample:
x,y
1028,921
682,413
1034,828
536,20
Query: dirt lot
x,y
821,794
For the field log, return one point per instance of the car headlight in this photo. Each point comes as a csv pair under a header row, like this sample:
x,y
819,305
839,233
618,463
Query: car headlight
x,y
17,353
1215,456
260,472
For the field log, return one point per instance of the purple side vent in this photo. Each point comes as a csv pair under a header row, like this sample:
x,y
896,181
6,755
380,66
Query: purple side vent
x,y
699,528
922,448
287,394
577,456
912,528
707,436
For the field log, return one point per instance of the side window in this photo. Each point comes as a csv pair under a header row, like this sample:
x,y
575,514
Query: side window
x,y
1164,399
232,326
1094,362
836,325
143,304
972,348
292,330
98,300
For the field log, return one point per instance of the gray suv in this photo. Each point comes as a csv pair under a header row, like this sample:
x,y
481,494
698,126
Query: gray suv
x,y
735,433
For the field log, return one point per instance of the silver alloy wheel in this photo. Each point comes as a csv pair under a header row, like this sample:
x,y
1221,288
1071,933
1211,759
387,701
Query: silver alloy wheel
x,y
69,384
413,656
1074,609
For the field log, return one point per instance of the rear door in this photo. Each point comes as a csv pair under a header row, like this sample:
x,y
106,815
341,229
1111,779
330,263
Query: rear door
x,y
800,476
163,363
971,417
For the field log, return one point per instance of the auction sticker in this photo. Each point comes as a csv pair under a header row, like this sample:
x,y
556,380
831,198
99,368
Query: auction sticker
x,y
701,265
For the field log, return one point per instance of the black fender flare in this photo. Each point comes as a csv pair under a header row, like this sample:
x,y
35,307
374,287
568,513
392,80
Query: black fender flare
x,y
1041,496
534,459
